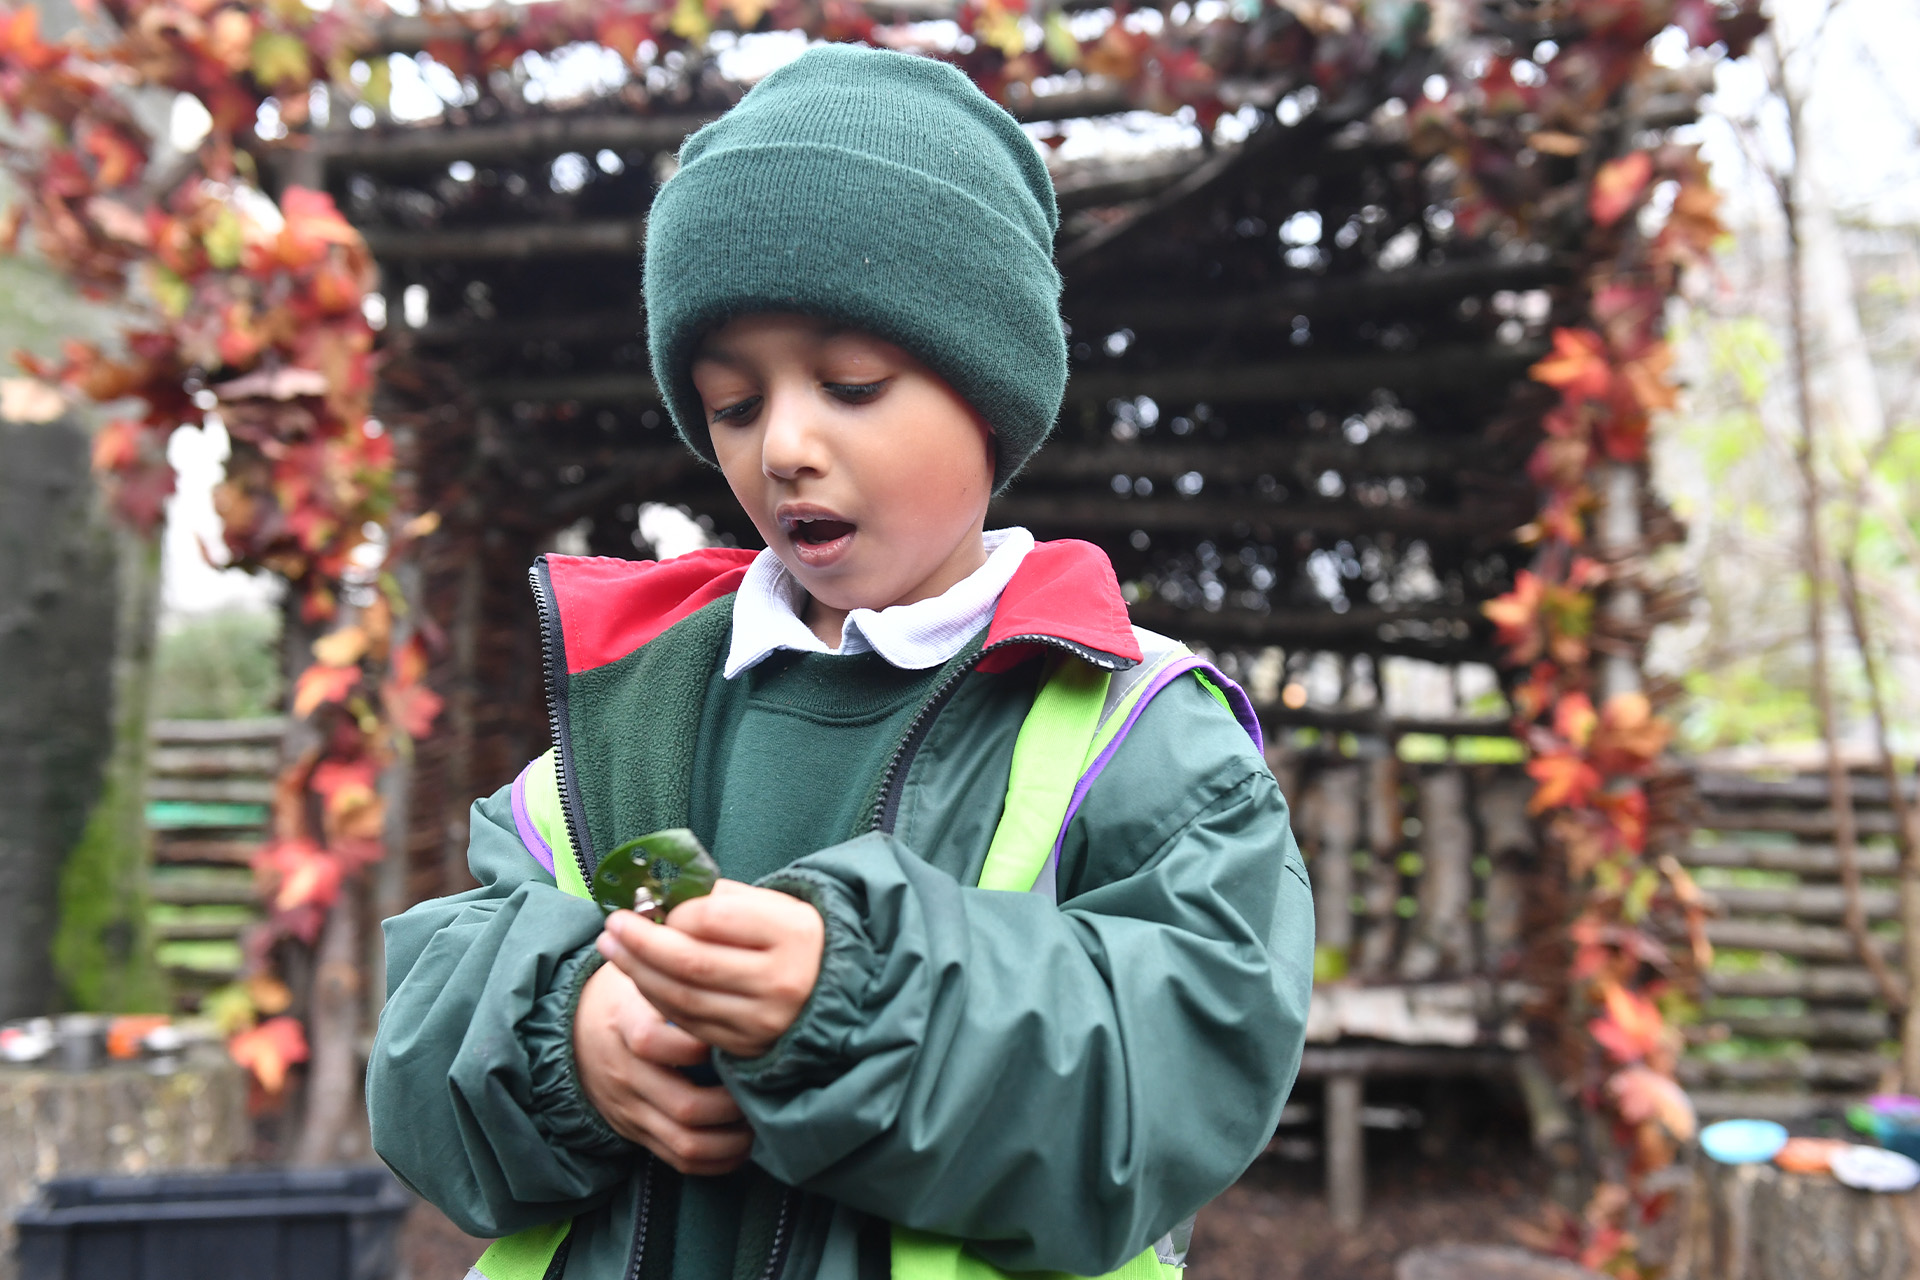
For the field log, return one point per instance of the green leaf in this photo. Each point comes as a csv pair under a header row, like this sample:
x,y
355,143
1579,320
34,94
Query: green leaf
x,y
279,58
1061,46
668,867
169,290
377,92
223,240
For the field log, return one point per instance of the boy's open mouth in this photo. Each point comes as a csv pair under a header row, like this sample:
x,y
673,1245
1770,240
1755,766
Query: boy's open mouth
x,y
817,533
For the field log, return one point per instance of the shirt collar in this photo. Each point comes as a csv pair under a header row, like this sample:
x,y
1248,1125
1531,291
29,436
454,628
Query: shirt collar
x,y
766,613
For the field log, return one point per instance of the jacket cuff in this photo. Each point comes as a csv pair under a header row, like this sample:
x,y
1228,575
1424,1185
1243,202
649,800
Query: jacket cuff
x,y
559,1105
814,1049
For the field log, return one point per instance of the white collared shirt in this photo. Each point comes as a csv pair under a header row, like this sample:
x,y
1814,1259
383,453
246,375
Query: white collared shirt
x,y
766,613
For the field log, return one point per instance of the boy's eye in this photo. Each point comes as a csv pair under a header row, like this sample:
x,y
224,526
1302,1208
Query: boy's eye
x,y
855,392
738,411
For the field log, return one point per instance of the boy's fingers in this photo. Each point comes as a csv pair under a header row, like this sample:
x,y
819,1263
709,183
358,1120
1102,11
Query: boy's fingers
x,y
748,917
683,1102
685,958
661,1042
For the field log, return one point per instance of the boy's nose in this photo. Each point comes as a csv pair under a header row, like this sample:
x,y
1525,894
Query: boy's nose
x,y
792,444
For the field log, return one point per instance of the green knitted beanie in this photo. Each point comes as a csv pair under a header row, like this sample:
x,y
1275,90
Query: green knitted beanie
x,y
882,191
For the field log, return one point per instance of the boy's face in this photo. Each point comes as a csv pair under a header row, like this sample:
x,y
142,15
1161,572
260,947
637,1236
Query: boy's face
x,y
864,471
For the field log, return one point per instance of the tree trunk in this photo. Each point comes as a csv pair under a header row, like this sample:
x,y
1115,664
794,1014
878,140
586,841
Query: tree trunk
x,y
334,1117
78,644
1757,1222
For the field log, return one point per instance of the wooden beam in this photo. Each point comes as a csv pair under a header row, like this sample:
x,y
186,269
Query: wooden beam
x,y
1805,902
436,146
1805,941
1346,1151
1335,632
1799,822
1825,1068
1736,788
1819,982
605,237
1801,859
1304,375
1366,293
1492,522
1277,453
1403,1060
588,388
1824,1026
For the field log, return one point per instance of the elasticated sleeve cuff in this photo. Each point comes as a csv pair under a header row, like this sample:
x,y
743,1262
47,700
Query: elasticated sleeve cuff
x,y
814,1049
560,1108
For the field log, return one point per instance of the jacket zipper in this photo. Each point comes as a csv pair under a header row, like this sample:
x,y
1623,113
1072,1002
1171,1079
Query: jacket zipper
x,y
886,811
640,1209
553,656
782,1236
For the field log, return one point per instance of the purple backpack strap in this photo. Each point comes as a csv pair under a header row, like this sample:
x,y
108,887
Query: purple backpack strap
x,y
523,821
1230,695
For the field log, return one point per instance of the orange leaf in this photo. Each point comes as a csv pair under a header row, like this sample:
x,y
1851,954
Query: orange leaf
x,y
1574,719
341,648
319,685
1646,378
1577,365
1630,736
1565,781
305,874
1617,187
1644,1095
269,994
269,1049
125,1033
1631,1027
330,777
117,446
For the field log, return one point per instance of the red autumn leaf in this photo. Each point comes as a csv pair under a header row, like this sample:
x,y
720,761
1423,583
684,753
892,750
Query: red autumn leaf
x,y
409,703
269,1049
1629,736
1625,813
20,40
300,872
117,446
117,161
331,776
1630,1028
319,685
1565,781
1648,1096
313,223
1617,187
1516,615
1574,719
1577,365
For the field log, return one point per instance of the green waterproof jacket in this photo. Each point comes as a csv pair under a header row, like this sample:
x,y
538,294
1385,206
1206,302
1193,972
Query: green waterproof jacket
x,y
1056,1086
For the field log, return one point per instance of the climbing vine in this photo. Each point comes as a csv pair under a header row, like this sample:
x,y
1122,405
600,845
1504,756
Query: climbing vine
x,y
250,306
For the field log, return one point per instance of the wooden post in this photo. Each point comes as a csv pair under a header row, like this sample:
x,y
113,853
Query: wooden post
x,y
1443,927
1346,1150
1338,815
1383,881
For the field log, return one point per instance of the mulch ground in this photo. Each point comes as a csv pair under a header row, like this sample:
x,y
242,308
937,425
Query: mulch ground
x,y
1465,1179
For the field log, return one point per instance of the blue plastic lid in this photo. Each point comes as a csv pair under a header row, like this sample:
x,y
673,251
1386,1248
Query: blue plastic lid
x,y
1743,1141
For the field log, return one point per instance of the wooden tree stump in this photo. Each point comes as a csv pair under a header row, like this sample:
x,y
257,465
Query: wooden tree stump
x,y
1757,1222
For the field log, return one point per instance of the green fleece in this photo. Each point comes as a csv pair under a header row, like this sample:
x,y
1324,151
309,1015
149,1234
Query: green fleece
x,y
786,755
1057,1086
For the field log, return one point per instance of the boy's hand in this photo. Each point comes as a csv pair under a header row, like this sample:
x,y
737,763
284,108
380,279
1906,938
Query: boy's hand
x,y
628,1055
733,968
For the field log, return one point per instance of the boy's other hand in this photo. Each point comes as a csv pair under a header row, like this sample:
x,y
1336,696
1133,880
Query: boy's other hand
x,y
733,968
629,1057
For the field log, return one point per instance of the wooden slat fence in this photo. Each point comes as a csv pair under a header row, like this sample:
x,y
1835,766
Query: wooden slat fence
x,y
209,786
1792,1024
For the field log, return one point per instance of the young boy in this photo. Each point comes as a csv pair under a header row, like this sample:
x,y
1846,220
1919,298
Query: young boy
x,y
924,1069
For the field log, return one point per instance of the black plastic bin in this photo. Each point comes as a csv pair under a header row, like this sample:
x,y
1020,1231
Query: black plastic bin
x,y
268,1224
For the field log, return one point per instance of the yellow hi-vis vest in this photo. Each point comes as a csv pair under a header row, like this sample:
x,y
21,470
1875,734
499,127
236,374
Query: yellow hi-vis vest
x,y
1078,713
